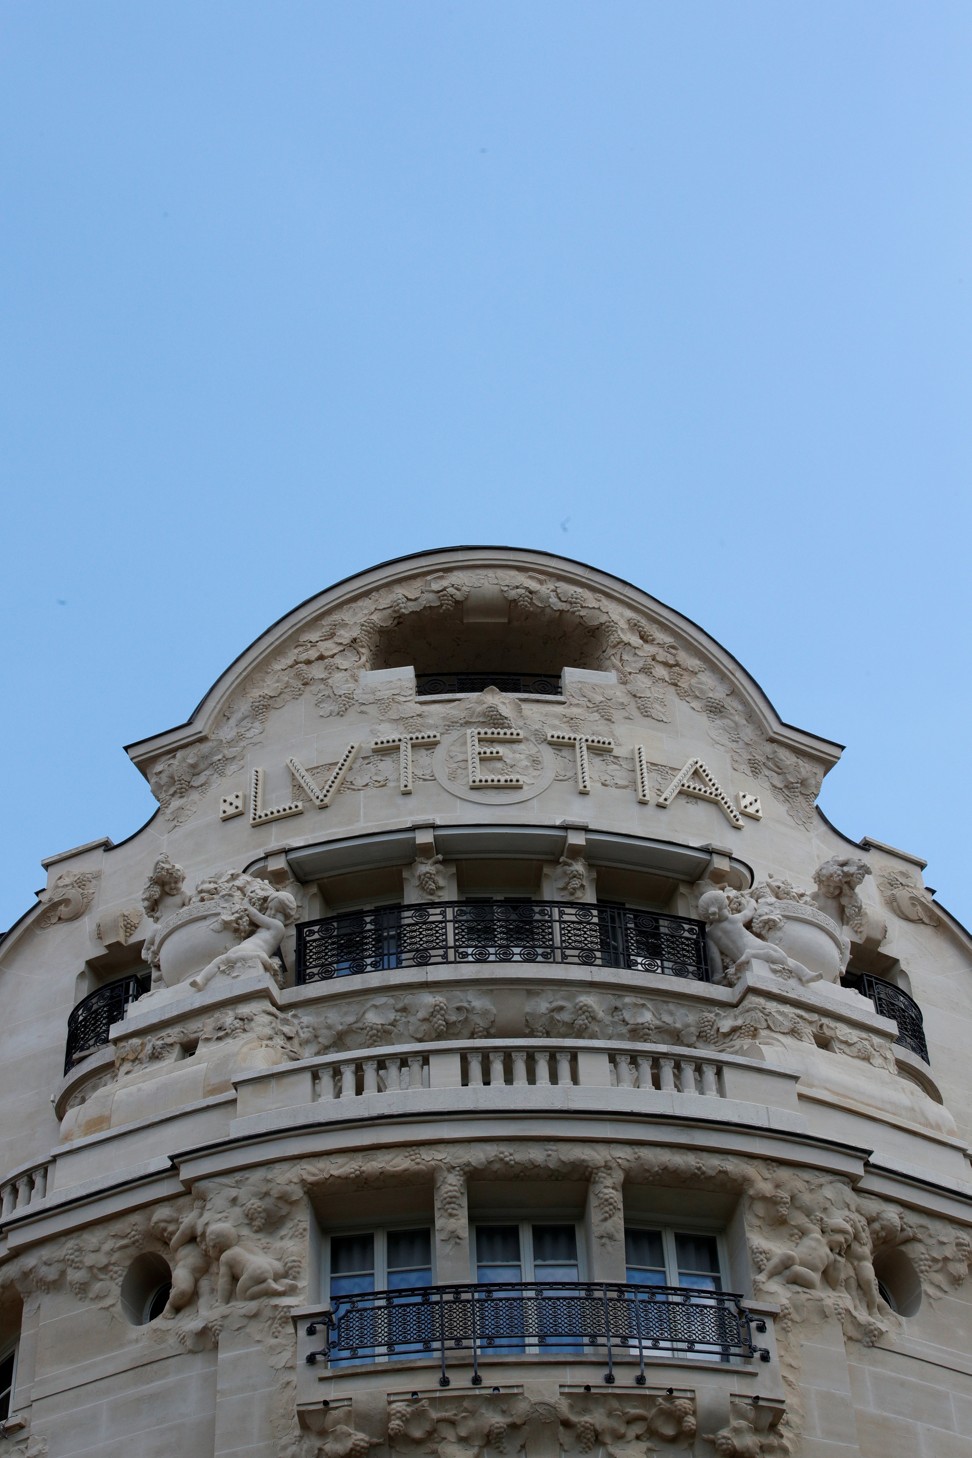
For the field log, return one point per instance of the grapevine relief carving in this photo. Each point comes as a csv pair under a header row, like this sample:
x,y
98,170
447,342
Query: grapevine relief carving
x,y
653,665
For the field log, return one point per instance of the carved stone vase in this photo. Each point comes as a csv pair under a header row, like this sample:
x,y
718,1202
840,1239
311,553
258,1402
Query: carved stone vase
x,y
810,937
189,939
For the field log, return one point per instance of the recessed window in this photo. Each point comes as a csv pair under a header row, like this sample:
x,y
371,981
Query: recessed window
x,y
531,1310
369,1325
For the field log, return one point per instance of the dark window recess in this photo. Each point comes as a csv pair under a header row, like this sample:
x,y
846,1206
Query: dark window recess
x,y
7,1364
434,933
475,683
90,1021
892,1003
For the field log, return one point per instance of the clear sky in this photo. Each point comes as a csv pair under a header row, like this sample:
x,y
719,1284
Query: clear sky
x,y
681,290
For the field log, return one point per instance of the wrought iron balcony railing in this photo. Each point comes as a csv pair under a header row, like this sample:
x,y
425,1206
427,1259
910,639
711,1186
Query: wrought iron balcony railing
x,y
892,1003
606,1321
474,683
385,938
89,1022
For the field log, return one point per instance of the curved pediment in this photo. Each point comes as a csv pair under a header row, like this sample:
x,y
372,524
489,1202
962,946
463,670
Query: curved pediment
x,y
617,656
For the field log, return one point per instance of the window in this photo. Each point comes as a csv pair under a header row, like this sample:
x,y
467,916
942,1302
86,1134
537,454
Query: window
x,y
691,1327
8,1367
503,930
367,1268
362,941
672,1258
535,1314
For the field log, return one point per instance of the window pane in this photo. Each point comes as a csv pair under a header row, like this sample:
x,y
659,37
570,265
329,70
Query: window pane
x,y
697,1257
557,1243
555,1253
645,1256
498,1253
352,1265
409,1250
352,1253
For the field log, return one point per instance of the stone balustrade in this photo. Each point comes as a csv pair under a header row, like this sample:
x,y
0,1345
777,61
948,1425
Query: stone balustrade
x,y
531,1064
23,1188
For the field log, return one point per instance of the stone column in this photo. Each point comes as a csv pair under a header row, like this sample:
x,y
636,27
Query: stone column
x,y
605,1226
451,1228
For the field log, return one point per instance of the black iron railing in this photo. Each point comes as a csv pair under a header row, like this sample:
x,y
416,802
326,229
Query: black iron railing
x,y
89,1022
475,683
607,1321
433,933
891,1002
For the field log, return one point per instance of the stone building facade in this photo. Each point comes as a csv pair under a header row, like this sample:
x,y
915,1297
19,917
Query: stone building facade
x,y
487,1049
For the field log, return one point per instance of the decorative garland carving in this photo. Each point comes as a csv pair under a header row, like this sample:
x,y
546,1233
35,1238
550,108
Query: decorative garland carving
x,y
654,666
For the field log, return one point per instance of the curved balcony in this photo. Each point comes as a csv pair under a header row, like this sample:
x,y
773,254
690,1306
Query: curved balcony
x,y
90,1021
473,932
608,1322
892,1003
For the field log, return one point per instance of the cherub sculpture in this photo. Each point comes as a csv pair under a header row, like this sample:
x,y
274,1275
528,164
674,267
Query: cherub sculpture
x,y
259,947
738,946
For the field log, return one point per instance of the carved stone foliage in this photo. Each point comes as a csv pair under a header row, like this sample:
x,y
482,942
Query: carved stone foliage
x,y
655,666
479,1425
256,1036
419,1017
752,1432
68,897
237,1247
906,898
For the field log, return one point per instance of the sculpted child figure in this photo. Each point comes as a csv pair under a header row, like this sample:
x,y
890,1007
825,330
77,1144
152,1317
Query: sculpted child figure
x,y
260,946
738,946
252,1274
190,1261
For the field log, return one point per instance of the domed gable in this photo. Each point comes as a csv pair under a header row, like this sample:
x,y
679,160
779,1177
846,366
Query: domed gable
x,y
546,648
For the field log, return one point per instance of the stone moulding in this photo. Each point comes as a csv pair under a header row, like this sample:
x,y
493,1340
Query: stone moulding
x,y
322,648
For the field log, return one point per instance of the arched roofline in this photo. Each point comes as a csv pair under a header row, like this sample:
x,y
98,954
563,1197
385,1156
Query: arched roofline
x,y
144,751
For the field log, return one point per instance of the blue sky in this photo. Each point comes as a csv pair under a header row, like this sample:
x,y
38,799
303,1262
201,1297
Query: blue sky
x,y
680,290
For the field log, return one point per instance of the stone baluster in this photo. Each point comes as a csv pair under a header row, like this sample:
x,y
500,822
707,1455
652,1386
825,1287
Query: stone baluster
x,y
474,1069
564,1074
497,1072
645,1079
687,1075
393,1075
40,1182
25,1186
370,1075
520,1067
349,1079
622,1066
9,1200
541,1066
666,1075
710,1079
416,1068
325,1082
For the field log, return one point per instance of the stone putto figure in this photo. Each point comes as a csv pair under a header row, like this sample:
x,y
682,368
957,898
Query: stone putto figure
x,y
738,947
258,948
190,1261
162,895
836,895
249,1273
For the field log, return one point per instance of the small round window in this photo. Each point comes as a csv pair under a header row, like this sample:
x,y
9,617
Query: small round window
x,y
145,1289
898,1282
